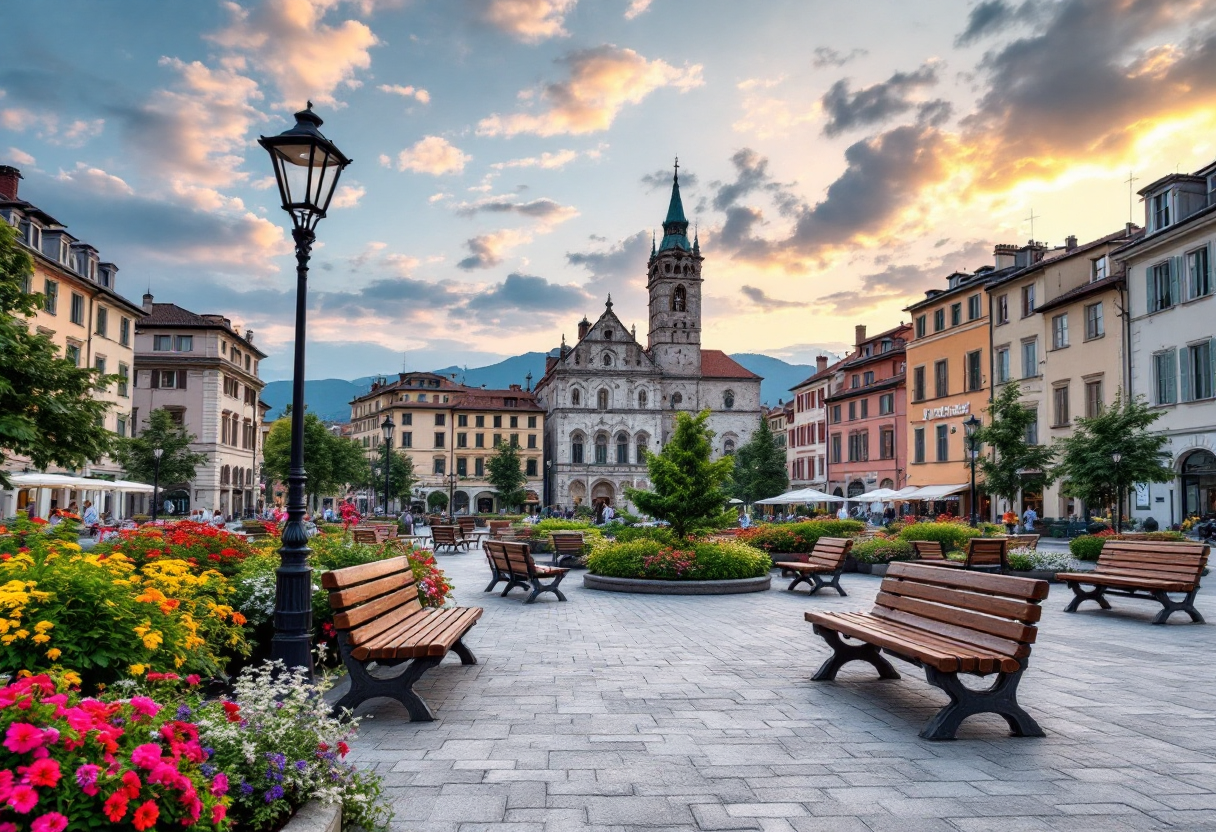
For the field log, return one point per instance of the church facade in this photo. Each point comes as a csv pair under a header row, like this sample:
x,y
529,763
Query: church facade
x,y
608,399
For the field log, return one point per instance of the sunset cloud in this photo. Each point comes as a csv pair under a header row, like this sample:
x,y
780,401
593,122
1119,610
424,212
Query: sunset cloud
x,y
637,7
348,196
764,303
544,210
434,155
488,250
529,21
848,110
824,56
601,81
545,161
419,95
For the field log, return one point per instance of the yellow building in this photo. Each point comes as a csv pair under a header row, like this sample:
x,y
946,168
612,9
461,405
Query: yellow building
x,y
450,429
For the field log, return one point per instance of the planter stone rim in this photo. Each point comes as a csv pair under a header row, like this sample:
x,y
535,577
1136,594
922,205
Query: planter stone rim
x,y
315,816
647,586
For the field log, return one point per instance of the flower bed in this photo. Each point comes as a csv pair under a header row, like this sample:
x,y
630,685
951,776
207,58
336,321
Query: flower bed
x,y
199,544
687,561
882,551
953,536
786,538
1088,547
1032,560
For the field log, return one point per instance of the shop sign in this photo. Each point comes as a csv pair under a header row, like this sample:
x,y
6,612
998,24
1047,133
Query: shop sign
x,y
947,410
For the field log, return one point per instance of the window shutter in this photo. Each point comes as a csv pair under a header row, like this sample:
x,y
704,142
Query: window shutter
x,y
1191,264
155,378
1184,374
1212,365
1151,294
1175,273
181,379
1172,376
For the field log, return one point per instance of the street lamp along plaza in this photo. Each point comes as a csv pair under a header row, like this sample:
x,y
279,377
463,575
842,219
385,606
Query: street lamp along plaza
x,y
386,427
157,453
970,425
1117,457
307,167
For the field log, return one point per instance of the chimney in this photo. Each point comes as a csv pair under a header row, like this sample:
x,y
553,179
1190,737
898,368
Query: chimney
x,y
583,327
1070,242
148,302
9,179
821,363
859,334
1004,255
1131,229
516,388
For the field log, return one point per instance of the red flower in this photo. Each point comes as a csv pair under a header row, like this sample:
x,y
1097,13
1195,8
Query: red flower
x,y
131,784
218,812
343,749
193,679
116,806
233,711
44,773
23,799
145,816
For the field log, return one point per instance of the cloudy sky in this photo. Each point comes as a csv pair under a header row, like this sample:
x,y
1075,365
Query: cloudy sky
x,y
512,157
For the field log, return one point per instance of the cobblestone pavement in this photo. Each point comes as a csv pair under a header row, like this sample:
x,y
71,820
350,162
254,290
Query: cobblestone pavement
x,y
621,712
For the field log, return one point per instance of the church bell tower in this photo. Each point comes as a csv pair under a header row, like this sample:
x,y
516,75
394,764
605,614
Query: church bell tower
x,y
674,286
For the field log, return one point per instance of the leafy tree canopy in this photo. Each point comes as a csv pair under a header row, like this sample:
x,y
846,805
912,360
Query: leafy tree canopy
x,y
177,464
47,409
760,467
401,477
330,462
503,471
437,501
687,488
1016,465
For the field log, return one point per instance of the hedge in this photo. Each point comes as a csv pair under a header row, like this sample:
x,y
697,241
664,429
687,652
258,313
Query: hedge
x,y
952,536
698,561
785,538
883,551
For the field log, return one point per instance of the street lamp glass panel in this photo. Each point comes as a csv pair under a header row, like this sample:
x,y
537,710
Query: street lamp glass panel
x,y
971,424
1117,457
306,167
158,453
386,427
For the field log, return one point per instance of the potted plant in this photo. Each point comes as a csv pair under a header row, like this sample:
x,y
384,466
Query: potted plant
x,y
1010,520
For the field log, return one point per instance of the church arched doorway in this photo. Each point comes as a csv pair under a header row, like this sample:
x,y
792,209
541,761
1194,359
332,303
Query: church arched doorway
x,y
602,492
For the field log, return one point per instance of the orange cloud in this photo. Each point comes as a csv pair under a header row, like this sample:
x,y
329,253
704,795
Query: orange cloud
x,y
530,21
434,155
419,95
601,81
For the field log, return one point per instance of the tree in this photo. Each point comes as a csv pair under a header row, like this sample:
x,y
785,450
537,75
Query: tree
x,y
1016,465
503,471
437,501
47,409
401,477
330,462
1087,463
760,467
178,463
687,488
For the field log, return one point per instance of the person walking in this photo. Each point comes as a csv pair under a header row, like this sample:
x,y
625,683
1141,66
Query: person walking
x,y
1029,516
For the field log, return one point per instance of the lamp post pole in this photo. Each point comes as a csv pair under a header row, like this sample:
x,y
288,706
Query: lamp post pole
x,y
970,425
306,167
1117,458
157,453
386,427
452,495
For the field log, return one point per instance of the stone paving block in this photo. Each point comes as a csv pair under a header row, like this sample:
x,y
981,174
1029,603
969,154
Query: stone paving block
x,y
462,808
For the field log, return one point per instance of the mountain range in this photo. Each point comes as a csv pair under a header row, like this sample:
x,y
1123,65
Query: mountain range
x,y
330,398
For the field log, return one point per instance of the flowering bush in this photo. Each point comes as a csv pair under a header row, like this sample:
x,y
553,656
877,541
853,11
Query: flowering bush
x,y
692,561
1025,560
951,535
105,618
281,747
80,762
883,550
199,544
350,514
798,537
20,533
1009,518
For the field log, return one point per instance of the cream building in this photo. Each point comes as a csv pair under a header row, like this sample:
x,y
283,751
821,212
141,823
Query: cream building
x,y
806,447
86,317
1173,354
204,371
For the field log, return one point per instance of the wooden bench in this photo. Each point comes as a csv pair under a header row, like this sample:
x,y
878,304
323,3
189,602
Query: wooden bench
x,y
932,553
366,536
827,558
1023,541
988,554
948,623
448,537
566,545
379,619
497,527
513,563
1143,569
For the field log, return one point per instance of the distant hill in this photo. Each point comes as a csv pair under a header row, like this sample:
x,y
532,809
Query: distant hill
x,y
330,398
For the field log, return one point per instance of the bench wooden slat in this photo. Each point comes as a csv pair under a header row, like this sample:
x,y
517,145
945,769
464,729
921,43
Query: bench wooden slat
x,y
404,631
963,599
964,618
440,642
1125,581
350,619
417,640
351,575
362,593
1003,646
1022,588
972,657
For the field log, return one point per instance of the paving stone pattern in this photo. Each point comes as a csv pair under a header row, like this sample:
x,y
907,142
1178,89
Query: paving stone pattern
x,y
623,712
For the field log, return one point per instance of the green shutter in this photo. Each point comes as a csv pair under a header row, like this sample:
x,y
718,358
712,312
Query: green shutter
x,y
1211,366
1151,293
1184,374
1175,274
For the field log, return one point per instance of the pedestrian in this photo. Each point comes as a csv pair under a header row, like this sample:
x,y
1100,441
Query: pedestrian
x,y
55,519
217,519
89,517
843,513
1029,516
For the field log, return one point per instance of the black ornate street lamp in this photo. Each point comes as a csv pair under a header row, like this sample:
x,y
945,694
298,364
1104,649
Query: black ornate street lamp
x,y
970,425
452,494
386,427
157,453
306,167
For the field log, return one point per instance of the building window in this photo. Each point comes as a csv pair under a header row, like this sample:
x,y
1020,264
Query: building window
x,y
728,447
479,467
728,400
943,443
679,300
643,442
440,439
865,408
120,425
835,412
852,411
939,320
1032,430
530,468
1059,401
1099,268
1162,293
1165,378
1161,210
1002,310
76,314
576,449
576,397
676,400
438,466
859,446
918,384
480,421
531,423
1094,327
1027,301
124,375
183,343
1030,358
50,297
868,378
1197,372
1002,365
479,440
918,444
886,443
920,326
407,439
1199,273
514,440
856,381
462,420
497,424
462,440
622,449
601,450
975,307
497,439
100,364
103,321
607,359
72,353
975,374
124,331
462,467
440,419
956,314
1093,399
835,451
941,378
601,400
641,398
532,440
1059,332
886,404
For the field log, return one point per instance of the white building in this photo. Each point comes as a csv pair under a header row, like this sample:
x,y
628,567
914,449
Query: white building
x,y
608,399
1172,352
806,448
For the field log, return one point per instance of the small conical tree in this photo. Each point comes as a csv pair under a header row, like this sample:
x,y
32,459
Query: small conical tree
x,y
760,467
504,472
1015,466
687,487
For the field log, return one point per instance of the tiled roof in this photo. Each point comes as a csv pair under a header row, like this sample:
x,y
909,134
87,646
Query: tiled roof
x,y
1081,292
717,364
172,315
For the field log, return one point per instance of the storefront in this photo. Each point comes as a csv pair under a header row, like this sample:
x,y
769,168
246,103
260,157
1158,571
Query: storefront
x,y
1198,476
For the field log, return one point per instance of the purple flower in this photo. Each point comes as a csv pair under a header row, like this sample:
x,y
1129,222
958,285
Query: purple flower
x,y
246,788
274,793
301,765
183,712
207,769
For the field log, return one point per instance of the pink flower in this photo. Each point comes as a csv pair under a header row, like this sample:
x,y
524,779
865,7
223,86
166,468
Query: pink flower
x,y
22,737
145,706
86,778
219,786
146,756
23,798
218,812
8,827
43,773
193,679
50,822
6,785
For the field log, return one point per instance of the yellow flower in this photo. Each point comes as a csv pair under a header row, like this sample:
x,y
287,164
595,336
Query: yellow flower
x,y
70,677
153,640
4,625
23,633
7,640
137,669
178,661
53,653
43,626
41,638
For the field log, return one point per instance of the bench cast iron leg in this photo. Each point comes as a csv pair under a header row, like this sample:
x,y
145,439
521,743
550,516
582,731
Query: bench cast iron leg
x,y
799,578
497,576
845,653
539,589
820,583
462,650
1096,594
1170,606
512,583
364,686
1001,698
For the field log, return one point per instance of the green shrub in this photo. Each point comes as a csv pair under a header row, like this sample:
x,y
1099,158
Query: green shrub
x,y
702,561
882,551
1086,547
621,560
950,535
992,530
546,527
1166,535
662,534
784,538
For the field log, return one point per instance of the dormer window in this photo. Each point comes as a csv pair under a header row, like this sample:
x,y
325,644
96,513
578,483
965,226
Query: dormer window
x,y
1161,210
1099,268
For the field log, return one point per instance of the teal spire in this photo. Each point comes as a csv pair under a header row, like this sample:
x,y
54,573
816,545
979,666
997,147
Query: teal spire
x,y
652,244
675,227
696,241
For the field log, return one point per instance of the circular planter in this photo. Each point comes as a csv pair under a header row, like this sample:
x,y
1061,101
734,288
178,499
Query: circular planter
x,y
651,587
